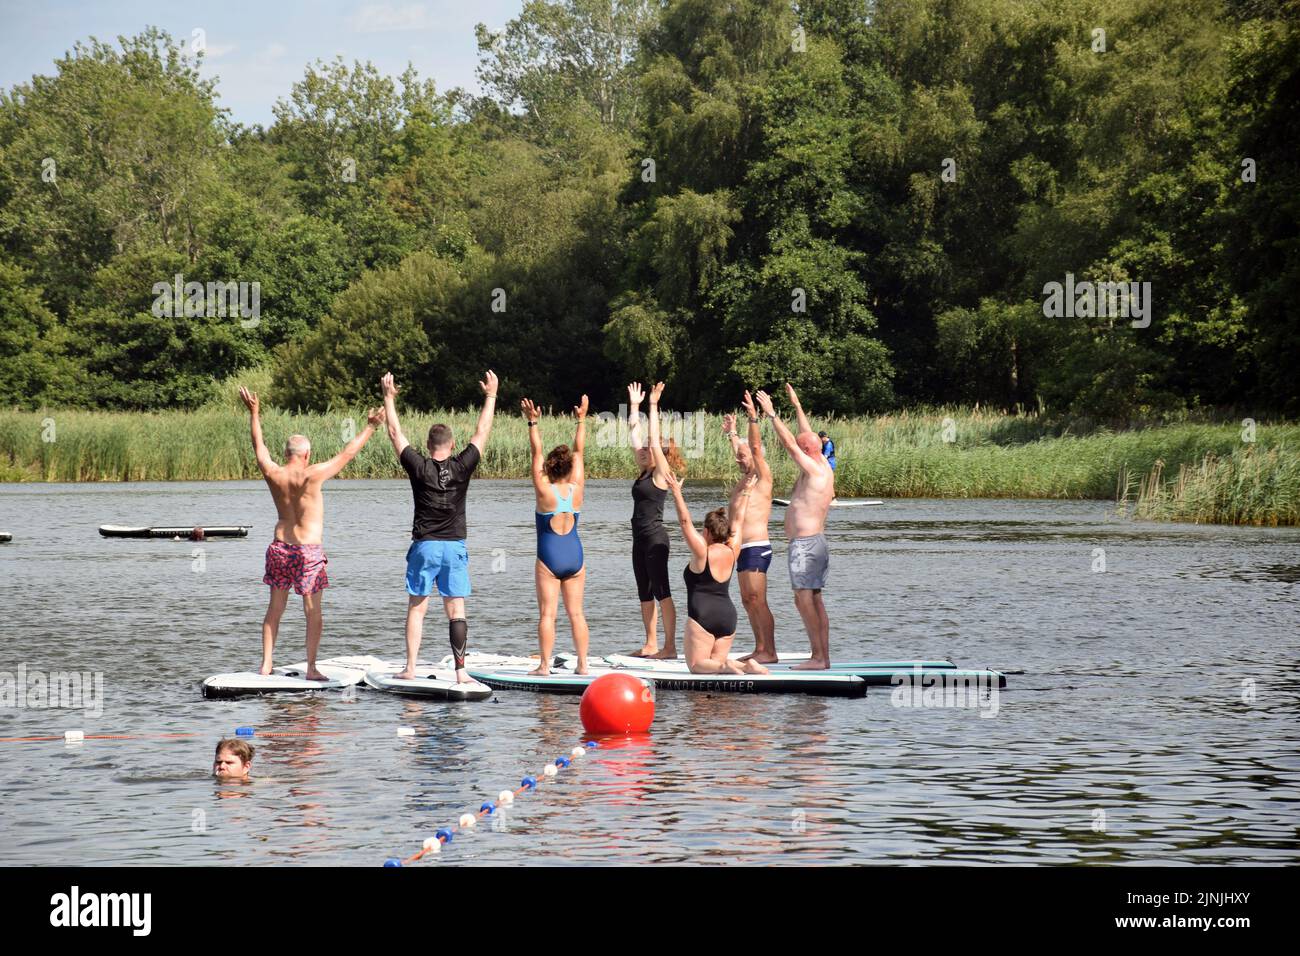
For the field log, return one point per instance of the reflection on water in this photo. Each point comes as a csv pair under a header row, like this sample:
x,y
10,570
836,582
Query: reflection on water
x,y
1156,720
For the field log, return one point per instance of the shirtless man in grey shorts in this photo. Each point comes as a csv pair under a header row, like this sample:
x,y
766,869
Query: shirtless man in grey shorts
x,y
805,527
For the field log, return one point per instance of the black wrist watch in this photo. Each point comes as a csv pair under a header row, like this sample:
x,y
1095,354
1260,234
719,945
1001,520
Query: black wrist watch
x,y
753,421
531,423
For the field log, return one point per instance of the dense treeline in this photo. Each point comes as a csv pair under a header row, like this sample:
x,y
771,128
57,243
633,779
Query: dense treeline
x,y
865,198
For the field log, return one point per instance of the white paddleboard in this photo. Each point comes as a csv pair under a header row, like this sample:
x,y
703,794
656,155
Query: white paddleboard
x,y
341,671
838,502
436,683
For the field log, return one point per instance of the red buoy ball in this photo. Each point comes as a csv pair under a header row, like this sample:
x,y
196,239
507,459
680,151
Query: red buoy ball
x,y
617,704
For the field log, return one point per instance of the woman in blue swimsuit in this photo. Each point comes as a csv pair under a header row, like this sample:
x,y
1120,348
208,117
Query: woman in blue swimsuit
x,y
558,480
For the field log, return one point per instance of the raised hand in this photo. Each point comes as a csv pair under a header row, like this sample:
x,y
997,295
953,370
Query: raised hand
x,y
751,480
794,399
765,402
250,399
656,392
531,411
748,405
581,409
674,483
376,417
489,384
729,423
635,394
388,385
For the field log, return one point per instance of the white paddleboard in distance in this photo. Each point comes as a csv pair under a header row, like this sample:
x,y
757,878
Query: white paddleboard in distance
x,y
435,683
341,671
838,502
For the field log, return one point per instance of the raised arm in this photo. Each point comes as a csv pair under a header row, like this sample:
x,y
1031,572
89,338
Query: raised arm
x,y
656,447
694,540
532,415
729,431
635,396
755,436
804,462
579,440
484,427
798,409
328,469
264,461
395,435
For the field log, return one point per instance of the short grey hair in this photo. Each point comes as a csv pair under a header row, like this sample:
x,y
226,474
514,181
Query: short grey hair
x,y
296,445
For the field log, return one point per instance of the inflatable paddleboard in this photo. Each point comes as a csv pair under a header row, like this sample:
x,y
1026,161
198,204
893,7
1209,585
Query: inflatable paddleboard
x,y
209,531
874,673
341,671
516,677
5,536
838,502
435,683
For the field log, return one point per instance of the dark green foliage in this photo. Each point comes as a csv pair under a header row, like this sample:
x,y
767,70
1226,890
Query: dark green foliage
x,y
865,198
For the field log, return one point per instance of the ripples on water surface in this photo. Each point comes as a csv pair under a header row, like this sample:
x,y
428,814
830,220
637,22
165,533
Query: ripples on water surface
x,y
1131,704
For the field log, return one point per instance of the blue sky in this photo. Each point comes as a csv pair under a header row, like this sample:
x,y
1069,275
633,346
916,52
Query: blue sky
x,y
258,50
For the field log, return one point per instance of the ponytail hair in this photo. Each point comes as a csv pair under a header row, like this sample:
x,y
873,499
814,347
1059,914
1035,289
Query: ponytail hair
x,y
674,455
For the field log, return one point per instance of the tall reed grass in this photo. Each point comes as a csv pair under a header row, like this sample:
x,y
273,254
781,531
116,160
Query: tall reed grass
x,y
1250,485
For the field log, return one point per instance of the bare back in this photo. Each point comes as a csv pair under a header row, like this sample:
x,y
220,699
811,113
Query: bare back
x,y
548,499
296,489
809,502
760,509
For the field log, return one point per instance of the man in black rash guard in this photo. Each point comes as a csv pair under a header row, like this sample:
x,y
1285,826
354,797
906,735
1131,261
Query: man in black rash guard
x,y
438,555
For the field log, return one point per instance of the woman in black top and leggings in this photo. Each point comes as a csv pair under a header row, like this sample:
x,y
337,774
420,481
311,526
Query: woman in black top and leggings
x,y
649,536
711,621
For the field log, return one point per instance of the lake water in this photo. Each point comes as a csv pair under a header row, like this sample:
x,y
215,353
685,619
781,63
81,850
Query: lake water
x,y
1156,721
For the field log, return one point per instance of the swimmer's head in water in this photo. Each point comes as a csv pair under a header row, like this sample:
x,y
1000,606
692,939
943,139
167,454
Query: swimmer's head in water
x,y
809,443
716,526
233,760
297,446
559,463
440,438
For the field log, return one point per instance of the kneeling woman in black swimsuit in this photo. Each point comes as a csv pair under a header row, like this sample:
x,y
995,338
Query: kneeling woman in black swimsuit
x,y
711,621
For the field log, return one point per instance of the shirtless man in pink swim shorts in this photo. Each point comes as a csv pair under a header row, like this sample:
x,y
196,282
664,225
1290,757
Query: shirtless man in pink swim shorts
x,y
295,559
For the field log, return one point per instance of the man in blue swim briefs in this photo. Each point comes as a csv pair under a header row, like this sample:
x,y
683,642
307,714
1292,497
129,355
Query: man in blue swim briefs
x,y
755,544
438,555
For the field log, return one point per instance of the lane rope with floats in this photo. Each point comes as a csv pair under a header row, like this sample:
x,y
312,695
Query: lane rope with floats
x,y
444,835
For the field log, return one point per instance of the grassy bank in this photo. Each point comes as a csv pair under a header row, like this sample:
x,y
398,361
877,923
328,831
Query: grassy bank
x,y
944,453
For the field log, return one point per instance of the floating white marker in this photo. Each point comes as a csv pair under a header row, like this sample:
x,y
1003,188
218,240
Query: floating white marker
x,y
406,731
73,736
577,751
505,796
466,820
433,845
550,770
